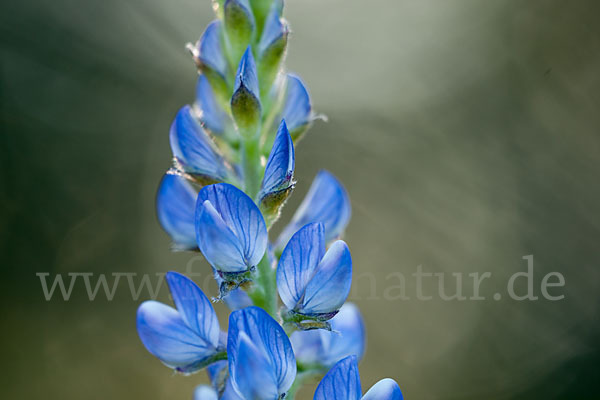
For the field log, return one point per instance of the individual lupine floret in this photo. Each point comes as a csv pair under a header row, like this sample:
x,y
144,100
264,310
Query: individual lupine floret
x,y
175,207
326,201
245,102
278,181
261,361
313,284
213,117
195,154
343,382
231,233
272,46
321,348
240,27
297,108
187,338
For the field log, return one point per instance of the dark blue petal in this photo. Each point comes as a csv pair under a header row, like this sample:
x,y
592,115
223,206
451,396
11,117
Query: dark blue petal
x,y
341,382
279,170
164,333
193,306
217,242
246,78
326,202
385,389
268,337
252,375
297,110
330,285
212,115
298,263
275,29
193,148
175,205
210,50
205,392
241,215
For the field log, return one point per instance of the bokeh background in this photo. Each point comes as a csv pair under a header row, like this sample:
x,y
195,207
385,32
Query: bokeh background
x,y
466,131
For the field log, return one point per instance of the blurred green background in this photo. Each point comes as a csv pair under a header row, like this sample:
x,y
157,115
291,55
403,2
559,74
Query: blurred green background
x,y
466,131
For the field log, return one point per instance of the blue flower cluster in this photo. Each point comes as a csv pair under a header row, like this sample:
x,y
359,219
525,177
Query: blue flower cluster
x,y
232,172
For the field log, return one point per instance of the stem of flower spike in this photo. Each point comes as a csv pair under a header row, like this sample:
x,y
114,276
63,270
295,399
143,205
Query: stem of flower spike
x,y
251,163
263,292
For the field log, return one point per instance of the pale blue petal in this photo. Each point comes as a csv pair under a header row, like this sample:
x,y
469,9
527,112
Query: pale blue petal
x,y
269,337
274,30
213,117
297,110
164,333
330,285
217,242
385,389
348,336
205,392
241,215
193,148
341,382
194,308
230,393
326,202
237,299
252,375
210,50
279,170
308,346
175,205
215,370
246,78
298,263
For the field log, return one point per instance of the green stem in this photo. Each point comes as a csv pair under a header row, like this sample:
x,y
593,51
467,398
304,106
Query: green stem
x,y
252,167
263,292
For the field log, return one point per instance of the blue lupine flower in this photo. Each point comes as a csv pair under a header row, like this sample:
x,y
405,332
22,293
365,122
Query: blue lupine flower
x,y
212,116
194,151
323,348
209,52
218,373
237,299
261,360
240,26
297,109
187,338
343,382
245,102
313,283
276,28
326,202
230,231
175,205
272,46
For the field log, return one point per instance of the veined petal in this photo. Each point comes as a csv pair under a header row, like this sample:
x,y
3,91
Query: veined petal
x,y
193,148
241,215
216,240
297,109
210,51
298,263
341,382
246,74
326,202
268,337
205,392
175,205
165,335
385,389
279,171
252,374
213,117
194,308
330,285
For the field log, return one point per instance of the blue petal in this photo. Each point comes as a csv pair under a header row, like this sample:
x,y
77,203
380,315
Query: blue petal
x,y
330,285
214,371
194,308
237,299
325,347
230,393
297,110
241,215
164,333
298,263
246,78
217,242
280,165
341,382
326,202
268,337
274,30
205,392
212,116
175,204
210,50
193,148
385,389
252,375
